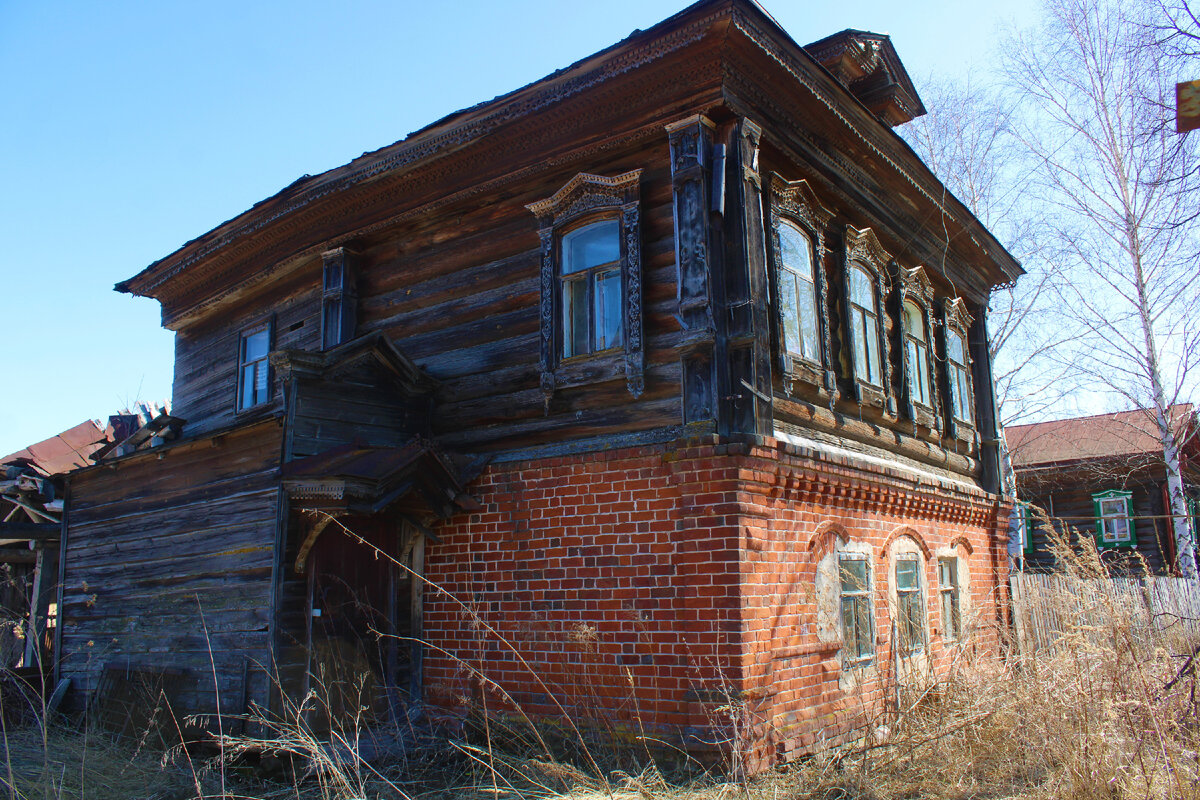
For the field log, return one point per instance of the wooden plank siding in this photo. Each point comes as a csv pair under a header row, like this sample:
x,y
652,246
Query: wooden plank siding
x,y
169,563
1072,508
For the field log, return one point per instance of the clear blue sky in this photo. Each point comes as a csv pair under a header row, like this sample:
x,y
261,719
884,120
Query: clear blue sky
x,y
127,129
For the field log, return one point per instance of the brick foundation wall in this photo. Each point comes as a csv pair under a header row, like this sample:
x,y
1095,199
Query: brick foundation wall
x,y
640,590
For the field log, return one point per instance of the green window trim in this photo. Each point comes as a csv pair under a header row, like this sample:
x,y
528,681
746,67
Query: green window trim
x,y
1114,528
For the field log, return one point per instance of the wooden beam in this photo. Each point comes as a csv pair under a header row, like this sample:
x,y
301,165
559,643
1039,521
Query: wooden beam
x,y
36,531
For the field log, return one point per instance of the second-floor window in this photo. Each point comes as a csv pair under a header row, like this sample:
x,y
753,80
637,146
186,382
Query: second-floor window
x,y
864,326
591,288
798,294
960,376
253,369
916,345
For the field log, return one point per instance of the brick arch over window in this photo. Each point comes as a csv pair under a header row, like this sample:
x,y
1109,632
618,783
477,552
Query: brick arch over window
x,y
906,531
823,536
964,543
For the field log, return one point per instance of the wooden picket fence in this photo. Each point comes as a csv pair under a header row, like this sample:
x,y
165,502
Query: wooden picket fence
x,y
1047,607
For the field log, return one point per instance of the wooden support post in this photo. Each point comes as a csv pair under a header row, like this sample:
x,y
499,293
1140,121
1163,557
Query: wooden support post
x,y
416,608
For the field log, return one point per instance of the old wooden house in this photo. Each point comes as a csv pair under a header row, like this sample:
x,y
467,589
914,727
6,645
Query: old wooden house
x,y
1102,476
660,380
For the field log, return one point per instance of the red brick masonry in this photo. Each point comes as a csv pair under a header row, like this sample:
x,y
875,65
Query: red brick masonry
x,y
644,589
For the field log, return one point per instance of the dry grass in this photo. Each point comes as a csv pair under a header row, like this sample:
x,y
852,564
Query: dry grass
x,y
1110,711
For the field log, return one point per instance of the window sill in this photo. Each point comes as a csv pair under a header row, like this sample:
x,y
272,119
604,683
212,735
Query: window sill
x,y
582,370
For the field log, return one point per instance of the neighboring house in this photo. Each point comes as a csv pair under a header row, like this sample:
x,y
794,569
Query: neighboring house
x,y
1102,476
670,369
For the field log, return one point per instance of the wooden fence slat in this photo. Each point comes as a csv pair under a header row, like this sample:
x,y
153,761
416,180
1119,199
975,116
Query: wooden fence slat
x,y
1045,607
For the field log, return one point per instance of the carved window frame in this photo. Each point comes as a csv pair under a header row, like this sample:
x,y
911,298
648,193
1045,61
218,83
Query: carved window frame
x,y
862,249
795,203
584,199
339,302
913,286
956,319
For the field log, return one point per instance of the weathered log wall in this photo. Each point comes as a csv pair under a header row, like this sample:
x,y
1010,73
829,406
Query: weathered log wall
x,y
169,564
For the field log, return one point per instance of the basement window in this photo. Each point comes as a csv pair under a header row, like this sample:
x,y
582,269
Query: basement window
x,y
858,623
1114,518
254,385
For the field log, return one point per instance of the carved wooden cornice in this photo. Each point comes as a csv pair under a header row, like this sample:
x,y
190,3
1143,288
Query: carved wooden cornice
x,y
863,246
586,192
799,201
915,284
955,310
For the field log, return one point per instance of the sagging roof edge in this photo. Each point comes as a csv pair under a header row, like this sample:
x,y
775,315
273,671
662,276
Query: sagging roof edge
x,y
304,191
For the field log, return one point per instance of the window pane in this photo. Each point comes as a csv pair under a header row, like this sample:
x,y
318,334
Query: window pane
x,y
808,321
906,575
247,398
860,288
870,332
260,381
575,323
788,290
914,322
954,347
608,310
962,397
255,345
918,371
865,646
858,323
854,575
590,246
795,251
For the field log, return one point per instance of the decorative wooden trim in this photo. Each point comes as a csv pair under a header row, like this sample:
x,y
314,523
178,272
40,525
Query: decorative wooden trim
x,y
692,174
914,285
955,318
798,203
863,248
583,195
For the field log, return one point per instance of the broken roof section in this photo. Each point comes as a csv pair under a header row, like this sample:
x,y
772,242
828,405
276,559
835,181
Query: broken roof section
x,y
1123,434
63,452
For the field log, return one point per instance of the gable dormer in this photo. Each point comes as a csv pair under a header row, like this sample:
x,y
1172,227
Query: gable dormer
x,y
867,64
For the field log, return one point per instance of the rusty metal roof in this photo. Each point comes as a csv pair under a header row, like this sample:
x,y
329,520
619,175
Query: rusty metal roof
x,y
1121,434
64,452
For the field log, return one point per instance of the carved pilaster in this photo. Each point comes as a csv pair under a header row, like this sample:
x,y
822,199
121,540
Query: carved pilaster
x,y
632,269
691,177
546,314
747,291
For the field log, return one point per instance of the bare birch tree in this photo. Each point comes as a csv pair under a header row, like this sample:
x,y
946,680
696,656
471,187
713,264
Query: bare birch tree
x,y
1119,190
